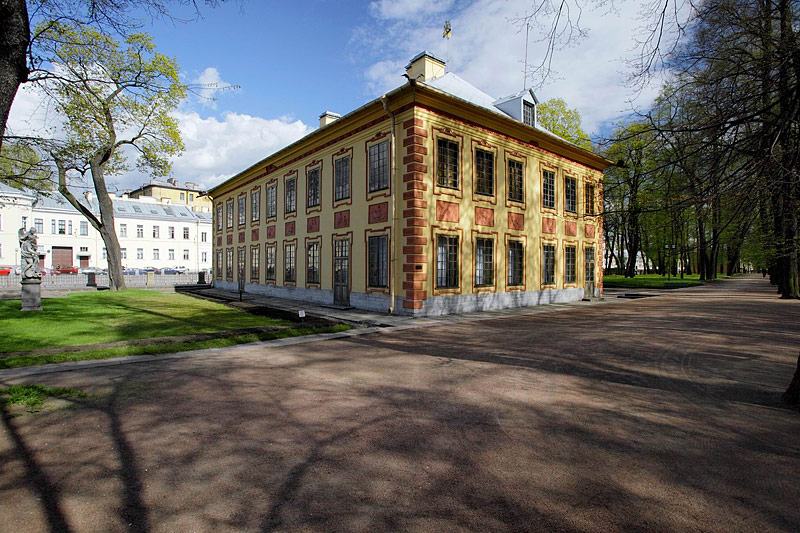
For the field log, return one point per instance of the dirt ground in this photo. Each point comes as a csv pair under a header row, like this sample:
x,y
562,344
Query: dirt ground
x,y
658,414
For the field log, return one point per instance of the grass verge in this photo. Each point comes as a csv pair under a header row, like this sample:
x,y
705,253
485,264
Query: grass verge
x,y
653,281
163,348
32,396
110,316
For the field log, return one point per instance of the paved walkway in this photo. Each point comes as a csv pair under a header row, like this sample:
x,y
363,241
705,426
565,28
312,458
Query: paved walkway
x,y
655,414
367,323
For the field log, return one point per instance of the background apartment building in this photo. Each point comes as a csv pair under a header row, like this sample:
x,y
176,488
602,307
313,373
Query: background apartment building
x,y
435,198
172,193
150,233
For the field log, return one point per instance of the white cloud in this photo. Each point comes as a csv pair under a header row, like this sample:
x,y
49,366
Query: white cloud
x,y
216,149
488,49
208,85
407,9
33,114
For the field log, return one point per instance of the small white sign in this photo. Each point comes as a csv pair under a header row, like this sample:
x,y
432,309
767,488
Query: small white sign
x,y
301,314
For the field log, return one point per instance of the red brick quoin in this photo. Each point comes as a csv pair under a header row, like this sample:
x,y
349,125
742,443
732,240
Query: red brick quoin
x,y
415,214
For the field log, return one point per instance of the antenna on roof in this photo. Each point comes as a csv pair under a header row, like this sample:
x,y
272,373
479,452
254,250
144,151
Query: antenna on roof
x,y
446,37
525,64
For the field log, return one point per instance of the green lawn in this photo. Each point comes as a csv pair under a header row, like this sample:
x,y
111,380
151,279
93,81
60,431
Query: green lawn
x,y
106,316
654,281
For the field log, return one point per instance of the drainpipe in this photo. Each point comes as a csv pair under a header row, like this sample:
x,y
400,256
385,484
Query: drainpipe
x,y
393,211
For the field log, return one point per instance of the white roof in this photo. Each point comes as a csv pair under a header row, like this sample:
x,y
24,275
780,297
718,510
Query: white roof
x,y
460,88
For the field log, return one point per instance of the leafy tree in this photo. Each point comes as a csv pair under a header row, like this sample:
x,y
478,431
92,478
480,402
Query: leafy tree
x,y
112,98
556,117
22,168
24,55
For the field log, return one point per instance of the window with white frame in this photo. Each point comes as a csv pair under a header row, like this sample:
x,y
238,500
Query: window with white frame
x,y
170,232
589,264
229,214
379,166
229,263
255,263
204,257
255,205
62,227
516,181
484,172
312,262
447,261
139,231
124,253
38,223
272,202
171,254
203,236
516,263
290,262
341,178
185,232
84,228
290,196
569,264
588,199
548,189
123,230
219,264
378,262
548,264
570,195
484,262
219,217
528,113
186,255
447,163
270,261
156,253
312,188
242,204
140,253
156,231
240,272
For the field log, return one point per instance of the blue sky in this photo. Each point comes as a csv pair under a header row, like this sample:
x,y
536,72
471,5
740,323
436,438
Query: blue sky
x,y
293,60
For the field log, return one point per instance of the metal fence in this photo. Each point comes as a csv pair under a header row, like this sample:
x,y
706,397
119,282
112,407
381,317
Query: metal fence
x,y
66,281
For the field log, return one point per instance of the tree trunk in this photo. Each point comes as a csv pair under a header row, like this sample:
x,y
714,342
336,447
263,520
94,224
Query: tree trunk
x,y
792,394
14,38
108,228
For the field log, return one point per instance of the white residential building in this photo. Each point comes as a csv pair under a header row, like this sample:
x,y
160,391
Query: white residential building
x,y
150,233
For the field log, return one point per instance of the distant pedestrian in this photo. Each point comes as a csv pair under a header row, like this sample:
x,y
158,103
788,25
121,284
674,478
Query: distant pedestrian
x,y
763,272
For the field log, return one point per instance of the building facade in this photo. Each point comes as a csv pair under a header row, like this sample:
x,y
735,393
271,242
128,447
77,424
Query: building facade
x,y
150,233
435,198
171,192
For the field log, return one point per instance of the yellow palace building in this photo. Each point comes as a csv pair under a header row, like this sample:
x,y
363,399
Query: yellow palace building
x,y
435,198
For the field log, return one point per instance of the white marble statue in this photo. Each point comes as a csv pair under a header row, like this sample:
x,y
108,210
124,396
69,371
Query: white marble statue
x,y
29,253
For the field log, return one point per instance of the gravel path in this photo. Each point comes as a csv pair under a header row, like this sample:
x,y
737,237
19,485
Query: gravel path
x,y
655,414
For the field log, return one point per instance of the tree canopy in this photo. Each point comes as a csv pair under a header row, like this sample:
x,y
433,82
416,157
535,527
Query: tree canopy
x,y
112,97
556,117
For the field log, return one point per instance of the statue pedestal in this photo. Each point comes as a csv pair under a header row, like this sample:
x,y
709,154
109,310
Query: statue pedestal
x,y
31,294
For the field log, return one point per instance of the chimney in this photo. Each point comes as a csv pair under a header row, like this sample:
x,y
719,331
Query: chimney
x,y
425,67
190,185
172,181
327,117
89,196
